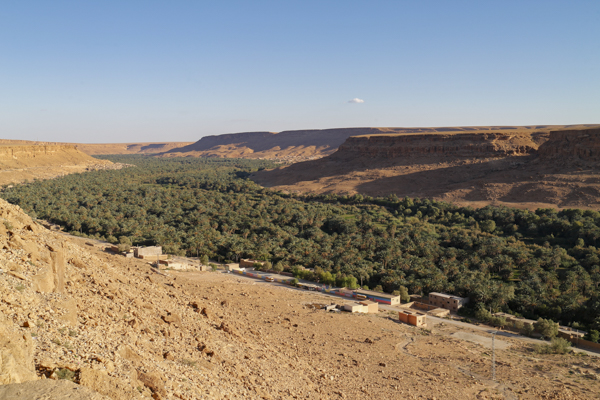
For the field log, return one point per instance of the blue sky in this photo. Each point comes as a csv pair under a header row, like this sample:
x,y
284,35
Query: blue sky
x,y
127,71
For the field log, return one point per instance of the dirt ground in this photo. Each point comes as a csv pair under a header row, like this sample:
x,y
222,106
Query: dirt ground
x,y
377,356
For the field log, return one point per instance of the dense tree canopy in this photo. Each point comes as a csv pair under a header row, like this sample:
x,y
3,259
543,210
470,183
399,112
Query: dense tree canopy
x,y
536,264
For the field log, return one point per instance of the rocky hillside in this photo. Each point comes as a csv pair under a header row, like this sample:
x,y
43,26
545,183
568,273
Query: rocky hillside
x,y
523,168
19,163
114,328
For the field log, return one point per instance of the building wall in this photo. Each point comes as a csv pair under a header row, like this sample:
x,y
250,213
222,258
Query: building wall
x,y
148,251
371,307
450,303
392,300
412,318
416,320
154,257
247,263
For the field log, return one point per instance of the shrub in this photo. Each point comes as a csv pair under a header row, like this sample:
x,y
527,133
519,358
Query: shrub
x,y
594,336
546,327
557,346
404,296
278,267
482,314
64,373
528,329
518,325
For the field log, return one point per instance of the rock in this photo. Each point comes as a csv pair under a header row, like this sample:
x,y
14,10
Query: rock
x,y
153,382
43,282
225,328
169,356
368,340
127,353
70,314
58,269
27,324
17,275
172,319
16,357
48,389
101,382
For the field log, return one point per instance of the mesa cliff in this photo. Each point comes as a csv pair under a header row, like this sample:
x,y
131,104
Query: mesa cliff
x,y
302,145
145,148
25,162
536,167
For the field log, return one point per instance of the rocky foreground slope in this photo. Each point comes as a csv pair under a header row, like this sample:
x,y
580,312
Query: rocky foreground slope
x,y
25,162
523,168
120,330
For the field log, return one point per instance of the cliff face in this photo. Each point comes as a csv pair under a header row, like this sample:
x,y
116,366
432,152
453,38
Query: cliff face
x,y
16,152
531,168
486,145
128,148
573,143
302,145
19,163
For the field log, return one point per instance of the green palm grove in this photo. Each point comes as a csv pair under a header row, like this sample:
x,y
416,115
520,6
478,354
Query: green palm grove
x,y
535,264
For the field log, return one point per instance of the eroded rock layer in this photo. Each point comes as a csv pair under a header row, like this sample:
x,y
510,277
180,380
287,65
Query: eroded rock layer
x,y
530,168
19,163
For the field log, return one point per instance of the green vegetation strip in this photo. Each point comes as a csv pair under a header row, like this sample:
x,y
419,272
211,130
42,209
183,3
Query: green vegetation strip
x,y
535,264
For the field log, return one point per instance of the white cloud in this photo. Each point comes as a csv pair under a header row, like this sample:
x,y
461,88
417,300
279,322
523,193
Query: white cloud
x,y
356,100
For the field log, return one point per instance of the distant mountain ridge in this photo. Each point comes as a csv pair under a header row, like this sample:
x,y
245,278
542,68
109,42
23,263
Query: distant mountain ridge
x,y
302,145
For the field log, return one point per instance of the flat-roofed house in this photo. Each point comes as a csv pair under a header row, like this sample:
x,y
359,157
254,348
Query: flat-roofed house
x,y
412,318
447,301
378,297
355,308
147,252
247,263
371,306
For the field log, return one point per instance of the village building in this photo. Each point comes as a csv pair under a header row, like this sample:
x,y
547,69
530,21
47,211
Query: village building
x,y
371,306
247,263
376,296
512,319
141,252
177,265
447,301
414,318
353,307
361,307
571,334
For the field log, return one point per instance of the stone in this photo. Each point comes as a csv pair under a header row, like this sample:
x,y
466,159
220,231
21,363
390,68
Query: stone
x,y
16,357
49,389
172,319
153,382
